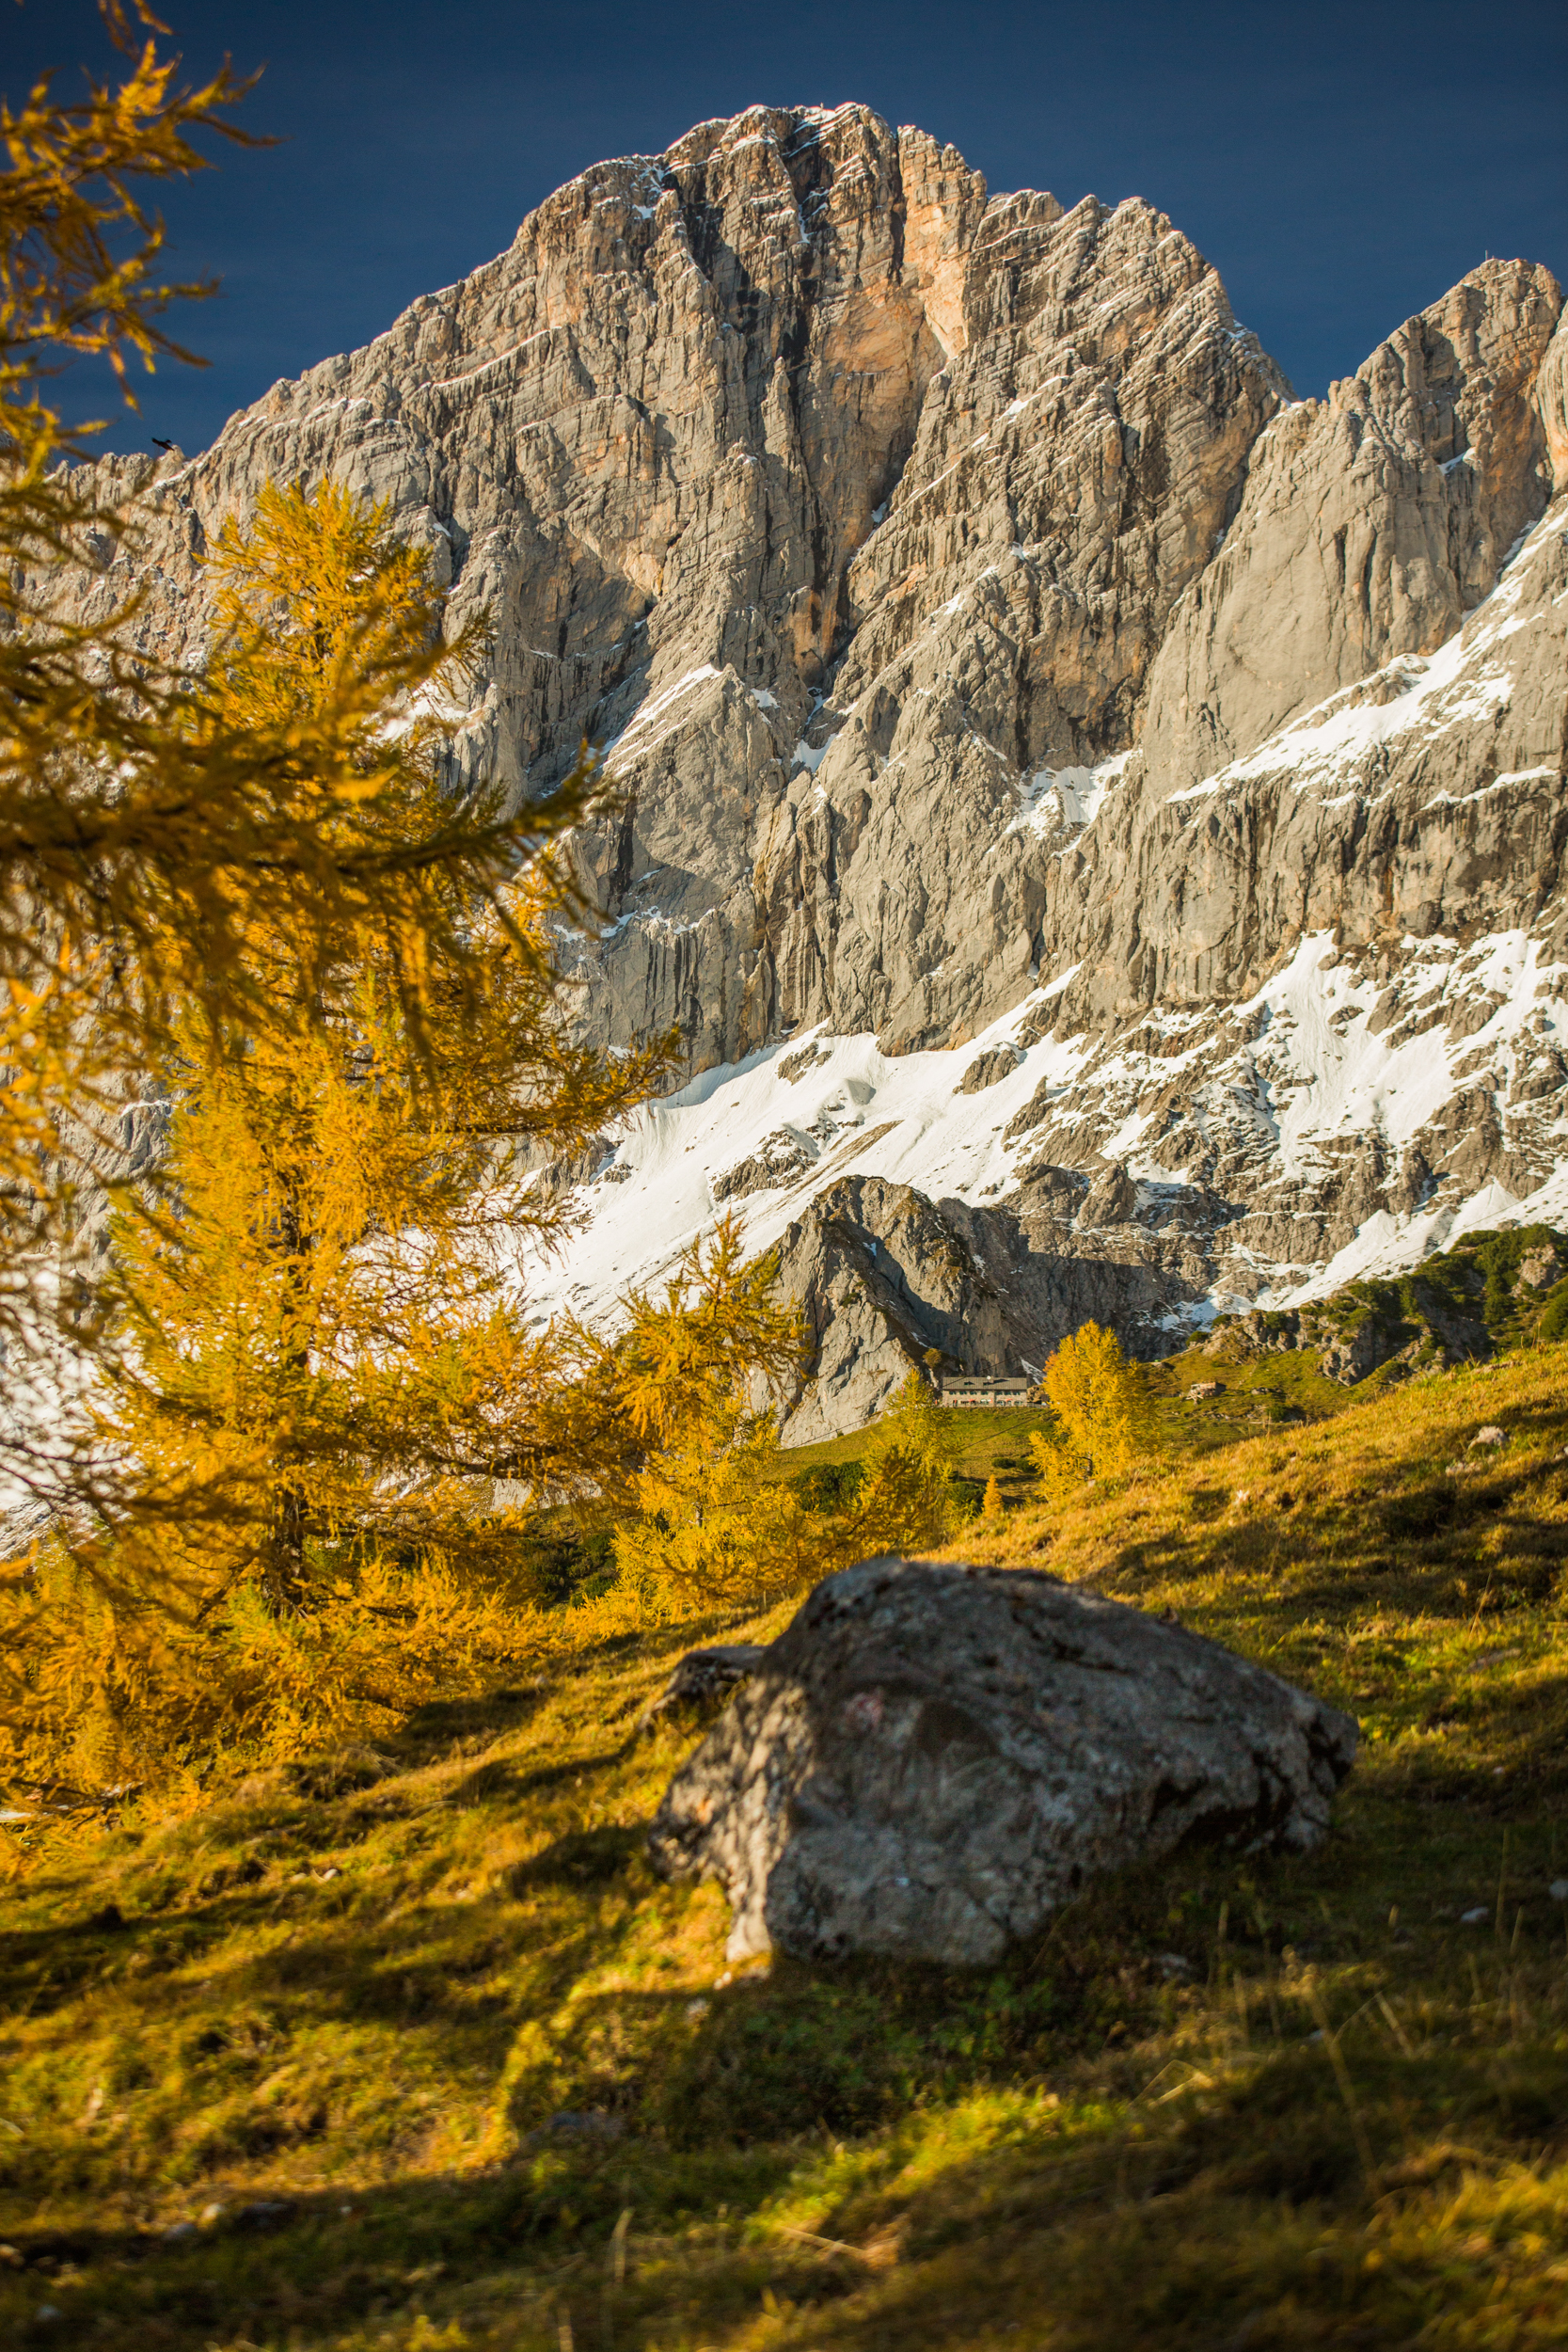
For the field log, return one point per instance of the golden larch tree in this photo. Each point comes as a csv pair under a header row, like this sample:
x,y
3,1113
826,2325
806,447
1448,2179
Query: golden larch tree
x,y
157,825
321,1363
1104,1422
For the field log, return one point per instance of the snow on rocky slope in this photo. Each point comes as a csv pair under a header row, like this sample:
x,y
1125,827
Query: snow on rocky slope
x,y
1369,1104
1094,822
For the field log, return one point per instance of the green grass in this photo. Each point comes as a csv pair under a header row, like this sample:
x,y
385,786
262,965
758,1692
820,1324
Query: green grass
x,y
986,1444
360,1990
1273,1391
1269,1390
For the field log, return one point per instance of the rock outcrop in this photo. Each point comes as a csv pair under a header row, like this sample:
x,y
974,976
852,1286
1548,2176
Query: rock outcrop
x,y
995,661
1371,525
931,1760
882,1276
830,495
700,1679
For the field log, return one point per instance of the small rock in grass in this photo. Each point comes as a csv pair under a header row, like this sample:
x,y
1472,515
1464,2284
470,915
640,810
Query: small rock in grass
x,y
700,1678
1474,1918
178,2230
1201,1389
581,2123
1173,1965
698,2009
47,2311
1559,1890
211,2214
264,2213
1491,1435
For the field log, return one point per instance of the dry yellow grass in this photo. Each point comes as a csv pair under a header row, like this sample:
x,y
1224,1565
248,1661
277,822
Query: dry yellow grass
x,y
1343,2121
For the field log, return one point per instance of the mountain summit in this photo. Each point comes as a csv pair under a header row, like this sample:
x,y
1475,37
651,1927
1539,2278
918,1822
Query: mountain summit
x,y
1095,821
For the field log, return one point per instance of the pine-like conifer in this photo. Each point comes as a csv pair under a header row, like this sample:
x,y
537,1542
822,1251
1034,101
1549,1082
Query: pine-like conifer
x,y
320,1361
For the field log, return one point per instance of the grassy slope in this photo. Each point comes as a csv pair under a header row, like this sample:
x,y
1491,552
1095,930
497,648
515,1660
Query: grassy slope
x,y
1271,1390
1346,2121
984,1442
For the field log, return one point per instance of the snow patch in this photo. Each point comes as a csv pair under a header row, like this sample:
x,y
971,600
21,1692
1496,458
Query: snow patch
x,y
896,1117
1065,799
1464,681
651,712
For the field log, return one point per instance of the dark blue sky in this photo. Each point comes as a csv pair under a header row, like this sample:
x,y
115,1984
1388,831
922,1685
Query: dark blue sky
x,y
1340,164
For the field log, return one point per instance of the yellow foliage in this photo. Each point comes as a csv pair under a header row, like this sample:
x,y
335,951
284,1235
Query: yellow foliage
x,y
165,834
990,1505
905,1503
1104,1421
694,1356
718,1520
313,1547
321,1363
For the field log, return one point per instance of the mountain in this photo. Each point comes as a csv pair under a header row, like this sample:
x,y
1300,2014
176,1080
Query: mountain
x,y
1095,821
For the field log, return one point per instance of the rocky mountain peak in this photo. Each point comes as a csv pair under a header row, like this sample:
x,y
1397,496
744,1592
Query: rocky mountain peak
x,y
1000,670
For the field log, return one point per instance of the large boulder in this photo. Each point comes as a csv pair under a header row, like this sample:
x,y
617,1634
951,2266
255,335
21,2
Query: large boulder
x,y
932,1759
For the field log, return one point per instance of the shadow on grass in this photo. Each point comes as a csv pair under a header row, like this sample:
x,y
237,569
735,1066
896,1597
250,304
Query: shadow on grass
x,y
1251,2202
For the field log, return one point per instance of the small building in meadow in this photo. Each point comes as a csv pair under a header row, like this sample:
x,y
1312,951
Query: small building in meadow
x,y
982,1389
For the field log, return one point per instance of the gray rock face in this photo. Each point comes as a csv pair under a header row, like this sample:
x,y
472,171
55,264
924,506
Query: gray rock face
x,y
1348,1360
931,1760
1111,1198
967,609
1371,523
785,1155
987,1069
881,1275
826,492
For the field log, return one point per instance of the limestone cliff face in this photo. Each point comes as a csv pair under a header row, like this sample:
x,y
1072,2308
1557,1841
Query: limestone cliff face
x,y
1371,522
832,495
988,647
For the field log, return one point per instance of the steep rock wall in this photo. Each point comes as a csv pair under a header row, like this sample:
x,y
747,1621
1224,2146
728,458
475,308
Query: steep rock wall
x,y
986,647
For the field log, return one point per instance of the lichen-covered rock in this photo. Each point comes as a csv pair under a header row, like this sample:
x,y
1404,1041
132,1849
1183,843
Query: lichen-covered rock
x,y
932,1759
